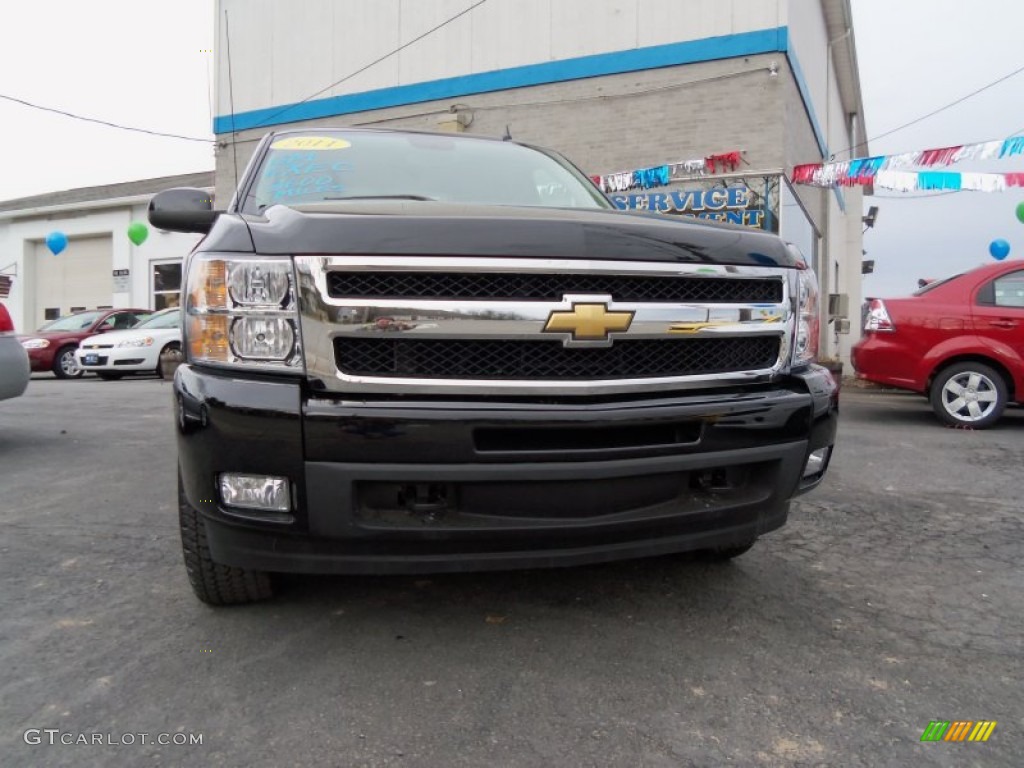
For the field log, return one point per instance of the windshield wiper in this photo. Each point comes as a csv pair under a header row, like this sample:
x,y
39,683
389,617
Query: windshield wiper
x,y
382,197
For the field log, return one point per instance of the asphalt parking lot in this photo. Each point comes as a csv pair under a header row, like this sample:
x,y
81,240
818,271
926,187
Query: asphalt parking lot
x,y
894,597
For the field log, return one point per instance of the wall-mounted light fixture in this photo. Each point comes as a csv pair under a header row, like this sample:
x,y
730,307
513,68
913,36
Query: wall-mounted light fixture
x,y
869,218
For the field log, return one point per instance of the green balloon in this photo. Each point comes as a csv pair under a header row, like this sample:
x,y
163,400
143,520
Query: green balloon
x,y
1020,212
138,232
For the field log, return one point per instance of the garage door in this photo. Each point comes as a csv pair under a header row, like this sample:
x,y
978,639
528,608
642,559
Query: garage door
x,y
79,277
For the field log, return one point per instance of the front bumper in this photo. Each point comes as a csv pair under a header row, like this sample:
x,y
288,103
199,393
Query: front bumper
x,y
41,360
118,359
402,486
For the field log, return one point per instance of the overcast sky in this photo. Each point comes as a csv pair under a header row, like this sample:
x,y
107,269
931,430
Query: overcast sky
x,y
143,64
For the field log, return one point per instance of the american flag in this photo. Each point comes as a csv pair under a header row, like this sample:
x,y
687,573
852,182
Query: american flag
x,y
5,286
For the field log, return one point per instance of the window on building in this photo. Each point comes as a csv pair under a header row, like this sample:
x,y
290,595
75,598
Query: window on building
x,y
166,284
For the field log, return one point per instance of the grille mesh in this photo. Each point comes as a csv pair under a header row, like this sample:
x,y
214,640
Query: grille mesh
x,y
511,286
514,359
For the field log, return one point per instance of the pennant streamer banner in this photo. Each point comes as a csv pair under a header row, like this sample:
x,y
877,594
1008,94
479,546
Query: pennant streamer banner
x,y
661,175
888,171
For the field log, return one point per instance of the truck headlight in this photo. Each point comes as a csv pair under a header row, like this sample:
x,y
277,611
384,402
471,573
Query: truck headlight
x,y
242,312
805,343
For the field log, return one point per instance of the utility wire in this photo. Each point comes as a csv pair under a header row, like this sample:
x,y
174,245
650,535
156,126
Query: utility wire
x,y
231,96
373,63
104,122
163,134
933,113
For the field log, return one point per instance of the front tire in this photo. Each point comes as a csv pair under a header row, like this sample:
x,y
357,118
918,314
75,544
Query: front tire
x,y
213,583
64,364
172,347
969,395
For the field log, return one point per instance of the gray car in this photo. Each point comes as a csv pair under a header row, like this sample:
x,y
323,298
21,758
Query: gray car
x,y
14,372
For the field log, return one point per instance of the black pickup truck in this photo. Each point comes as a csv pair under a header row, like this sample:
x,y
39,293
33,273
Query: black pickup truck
x,y
410,352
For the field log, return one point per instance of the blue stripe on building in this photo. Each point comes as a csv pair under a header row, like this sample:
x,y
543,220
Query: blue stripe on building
x,y
654,57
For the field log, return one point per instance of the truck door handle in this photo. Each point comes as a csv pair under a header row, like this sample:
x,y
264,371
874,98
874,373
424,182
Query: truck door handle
x,y
1003,323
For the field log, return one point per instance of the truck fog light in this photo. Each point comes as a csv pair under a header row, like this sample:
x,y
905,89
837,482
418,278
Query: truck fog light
x,y
816,462
262,338
255,492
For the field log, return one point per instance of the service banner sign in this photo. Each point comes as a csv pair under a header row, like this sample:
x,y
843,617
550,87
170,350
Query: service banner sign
x,y
747,202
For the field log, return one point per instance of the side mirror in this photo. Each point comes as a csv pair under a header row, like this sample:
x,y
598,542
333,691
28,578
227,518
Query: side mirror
x,y
182,209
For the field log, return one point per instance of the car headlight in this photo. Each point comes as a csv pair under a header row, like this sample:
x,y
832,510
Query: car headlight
x,y
35,343
805,343
146,342
242,312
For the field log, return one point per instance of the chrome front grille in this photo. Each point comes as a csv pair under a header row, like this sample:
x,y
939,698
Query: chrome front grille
x,y
550,360
526,286
456,325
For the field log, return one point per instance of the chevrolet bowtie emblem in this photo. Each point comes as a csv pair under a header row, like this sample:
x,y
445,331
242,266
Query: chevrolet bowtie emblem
x,y
588,322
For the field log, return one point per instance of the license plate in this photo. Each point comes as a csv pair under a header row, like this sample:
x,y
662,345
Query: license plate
x,y
92,359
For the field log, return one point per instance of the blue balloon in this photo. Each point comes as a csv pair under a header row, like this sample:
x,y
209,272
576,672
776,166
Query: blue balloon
x,y
999,249
56,242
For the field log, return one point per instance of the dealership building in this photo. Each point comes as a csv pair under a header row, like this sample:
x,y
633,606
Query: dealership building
x,y
709,104
698,108
100,266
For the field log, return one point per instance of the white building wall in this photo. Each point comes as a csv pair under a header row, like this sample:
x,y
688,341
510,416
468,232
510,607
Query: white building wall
x,y
283,51
808,43
18,236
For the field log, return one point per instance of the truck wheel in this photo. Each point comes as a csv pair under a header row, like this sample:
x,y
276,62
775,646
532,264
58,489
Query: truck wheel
x,y
969,395
728,553
64,364
213,583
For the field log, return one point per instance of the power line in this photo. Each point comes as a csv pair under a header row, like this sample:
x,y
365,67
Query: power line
x,y
933,113
103,122
936,112
373,63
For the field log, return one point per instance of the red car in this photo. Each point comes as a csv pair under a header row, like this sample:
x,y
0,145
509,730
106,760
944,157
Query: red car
x,y
52,347
958,341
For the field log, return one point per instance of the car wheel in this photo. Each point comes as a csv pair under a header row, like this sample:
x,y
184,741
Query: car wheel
x,y
160,362
969,395
213,583
728,553
64,364
106,376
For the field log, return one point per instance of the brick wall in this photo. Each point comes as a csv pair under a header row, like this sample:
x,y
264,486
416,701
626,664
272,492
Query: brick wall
x,y
616,122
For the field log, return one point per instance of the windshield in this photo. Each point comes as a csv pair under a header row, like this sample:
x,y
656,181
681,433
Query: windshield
x,y
168,319
78,322
339,165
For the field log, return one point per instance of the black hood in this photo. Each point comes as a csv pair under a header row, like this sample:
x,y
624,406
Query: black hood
x,y
416,228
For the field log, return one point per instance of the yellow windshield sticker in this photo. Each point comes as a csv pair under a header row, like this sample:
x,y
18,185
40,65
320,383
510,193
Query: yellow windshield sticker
x,y
310,142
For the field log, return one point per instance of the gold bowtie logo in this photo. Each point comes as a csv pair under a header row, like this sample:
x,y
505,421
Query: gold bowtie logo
x,y
588,322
